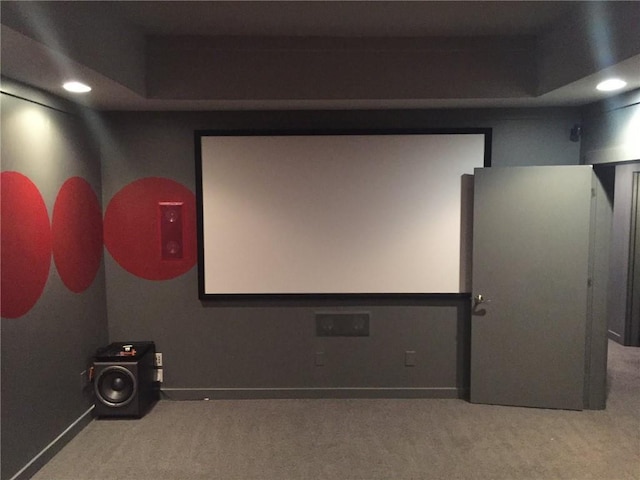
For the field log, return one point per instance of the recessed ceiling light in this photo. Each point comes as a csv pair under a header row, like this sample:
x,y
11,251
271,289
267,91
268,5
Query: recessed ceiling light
x,y
611,84
76,87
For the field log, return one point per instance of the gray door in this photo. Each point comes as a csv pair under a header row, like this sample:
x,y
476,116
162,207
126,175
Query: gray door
x,y
530,267
632,327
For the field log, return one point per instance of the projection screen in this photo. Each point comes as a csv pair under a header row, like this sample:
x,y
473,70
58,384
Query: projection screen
x,y
355,213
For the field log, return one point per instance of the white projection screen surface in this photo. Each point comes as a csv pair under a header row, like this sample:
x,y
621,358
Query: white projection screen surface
x,y
334,214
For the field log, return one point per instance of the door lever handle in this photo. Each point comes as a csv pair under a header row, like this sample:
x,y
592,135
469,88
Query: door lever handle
x,y
479,299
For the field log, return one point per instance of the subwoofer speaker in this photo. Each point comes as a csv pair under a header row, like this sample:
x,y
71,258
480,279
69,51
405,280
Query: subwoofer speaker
x,y
123,379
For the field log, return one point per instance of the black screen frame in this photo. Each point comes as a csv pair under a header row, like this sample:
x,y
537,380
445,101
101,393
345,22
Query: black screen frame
x,y
358,297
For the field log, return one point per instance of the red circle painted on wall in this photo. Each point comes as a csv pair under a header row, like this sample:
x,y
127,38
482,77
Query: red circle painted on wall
x,y
132,232
77,234
25,244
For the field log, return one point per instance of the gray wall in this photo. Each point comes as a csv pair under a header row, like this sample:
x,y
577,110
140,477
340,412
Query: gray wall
x,y
45,350
611,139
611,130
619,273
269,347
252,348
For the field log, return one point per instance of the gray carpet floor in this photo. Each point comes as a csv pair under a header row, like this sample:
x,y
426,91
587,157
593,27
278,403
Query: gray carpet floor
x,y
365,439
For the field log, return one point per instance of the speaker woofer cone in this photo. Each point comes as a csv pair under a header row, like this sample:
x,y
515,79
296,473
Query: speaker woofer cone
x,y
116,386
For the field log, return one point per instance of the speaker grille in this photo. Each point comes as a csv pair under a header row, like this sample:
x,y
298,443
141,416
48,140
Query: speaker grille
x,y
116,386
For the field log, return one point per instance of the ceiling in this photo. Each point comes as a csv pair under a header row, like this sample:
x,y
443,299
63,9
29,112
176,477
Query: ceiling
x,y
201,55
351,19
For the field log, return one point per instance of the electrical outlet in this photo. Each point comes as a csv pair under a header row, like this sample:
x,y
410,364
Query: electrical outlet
x,y
158,360
410,358
83,380
159,376
320,359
